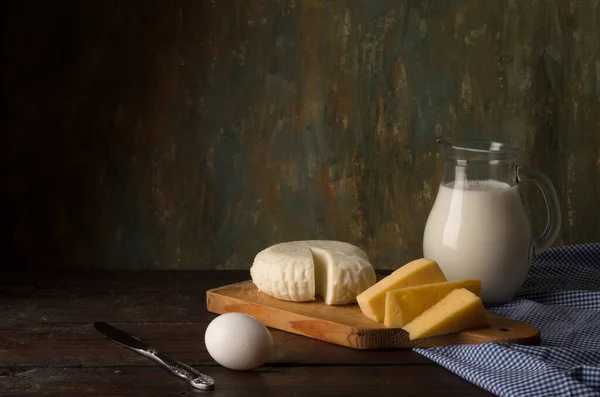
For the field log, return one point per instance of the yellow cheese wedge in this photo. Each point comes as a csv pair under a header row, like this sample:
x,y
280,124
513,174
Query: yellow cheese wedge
x,y
459,310
417,272
404,304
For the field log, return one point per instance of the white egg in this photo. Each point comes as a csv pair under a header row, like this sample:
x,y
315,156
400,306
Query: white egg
x,y
238,341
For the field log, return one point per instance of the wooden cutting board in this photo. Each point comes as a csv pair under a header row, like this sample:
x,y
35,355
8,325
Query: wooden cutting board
x,y
347,326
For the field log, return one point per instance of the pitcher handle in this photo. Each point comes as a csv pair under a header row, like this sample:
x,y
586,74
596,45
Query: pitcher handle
x,y
545,240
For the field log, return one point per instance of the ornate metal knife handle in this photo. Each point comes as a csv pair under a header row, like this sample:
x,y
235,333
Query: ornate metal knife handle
x,y
192,375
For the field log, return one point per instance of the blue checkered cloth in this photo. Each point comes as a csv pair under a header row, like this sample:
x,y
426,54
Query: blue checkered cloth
x,y
561,297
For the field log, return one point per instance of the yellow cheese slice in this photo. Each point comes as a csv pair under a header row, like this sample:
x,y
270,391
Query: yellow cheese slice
x,y
459,310
417,272
404,304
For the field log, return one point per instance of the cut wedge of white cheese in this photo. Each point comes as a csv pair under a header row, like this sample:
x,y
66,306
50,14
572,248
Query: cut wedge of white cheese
x,y
299,270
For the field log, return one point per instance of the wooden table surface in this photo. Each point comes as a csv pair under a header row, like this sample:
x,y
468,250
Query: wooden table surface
x,y
48,346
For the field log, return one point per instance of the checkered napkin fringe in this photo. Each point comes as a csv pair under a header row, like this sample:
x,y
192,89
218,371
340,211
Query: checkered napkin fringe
x,y
562,298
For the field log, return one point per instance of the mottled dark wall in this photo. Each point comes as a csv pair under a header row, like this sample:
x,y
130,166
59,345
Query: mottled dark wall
x,y
191,134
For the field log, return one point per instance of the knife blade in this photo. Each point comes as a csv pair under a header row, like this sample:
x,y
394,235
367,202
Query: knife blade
x,y
196,378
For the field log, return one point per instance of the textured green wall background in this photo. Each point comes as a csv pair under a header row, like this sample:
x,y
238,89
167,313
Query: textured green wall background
x,y
192,134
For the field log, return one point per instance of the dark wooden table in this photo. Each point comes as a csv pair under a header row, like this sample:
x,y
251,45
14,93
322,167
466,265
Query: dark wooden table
x,y
48,346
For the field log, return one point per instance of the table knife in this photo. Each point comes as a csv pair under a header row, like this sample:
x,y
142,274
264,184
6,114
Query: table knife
x,y
196,378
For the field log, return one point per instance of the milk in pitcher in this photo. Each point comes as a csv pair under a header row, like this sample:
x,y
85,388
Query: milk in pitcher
x,y
480,230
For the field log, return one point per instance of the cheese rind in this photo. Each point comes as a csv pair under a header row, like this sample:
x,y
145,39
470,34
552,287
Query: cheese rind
x,y
404,304
298,270
458,311
417,272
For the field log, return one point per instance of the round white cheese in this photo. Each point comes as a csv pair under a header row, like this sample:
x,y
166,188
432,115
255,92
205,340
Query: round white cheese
x,y
299,270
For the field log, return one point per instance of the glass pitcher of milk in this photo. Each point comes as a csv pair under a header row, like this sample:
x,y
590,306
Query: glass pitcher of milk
x,y
478,226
